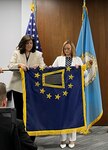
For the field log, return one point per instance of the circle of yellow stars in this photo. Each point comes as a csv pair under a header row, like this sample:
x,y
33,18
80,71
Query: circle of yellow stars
x,y
49,95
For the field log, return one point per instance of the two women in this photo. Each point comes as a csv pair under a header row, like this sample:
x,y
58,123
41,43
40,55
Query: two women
x,y
26,56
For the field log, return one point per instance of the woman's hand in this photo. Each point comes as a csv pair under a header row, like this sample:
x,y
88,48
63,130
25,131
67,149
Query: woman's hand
x,y
77,66
23,66
35,66
1,71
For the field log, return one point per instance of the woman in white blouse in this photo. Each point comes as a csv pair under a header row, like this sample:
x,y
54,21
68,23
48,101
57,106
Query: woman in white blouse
x,y
25,56
67,58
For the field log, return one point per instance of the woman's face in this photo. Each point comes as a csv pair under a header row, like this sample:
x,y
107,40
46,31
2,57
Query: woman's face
x,y
29,45
68,50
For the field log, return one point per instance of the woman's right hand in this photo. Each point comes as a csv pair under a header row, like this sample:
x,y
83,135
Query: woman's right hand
x,y
1,71
23,66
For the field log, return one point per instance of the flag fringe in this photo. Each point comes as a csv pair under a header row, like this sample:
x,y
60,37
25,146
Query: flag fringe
x,y
87,130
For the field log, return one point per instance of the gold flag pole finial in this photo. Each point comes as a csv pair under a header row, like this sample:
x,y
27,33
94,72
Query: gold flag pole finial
x,y
84,7
84,3
32,7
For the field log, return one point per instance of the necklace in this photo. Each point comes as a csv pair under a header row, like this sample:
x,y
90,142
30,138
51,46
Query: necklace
x,y
27,56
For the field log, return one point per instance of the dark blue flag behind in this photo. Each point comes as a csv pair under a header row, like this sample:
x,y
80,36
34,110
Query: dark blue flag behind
x,y
32,30
53,100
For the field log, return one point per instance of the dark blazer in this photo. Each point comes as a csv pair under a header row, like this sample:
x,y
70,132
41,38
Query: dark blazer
x,y
25,140
14,137
6,134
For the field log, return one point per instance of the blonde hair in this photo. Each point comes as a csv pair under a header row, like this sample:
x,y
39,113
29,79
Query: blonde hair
x,y
72,48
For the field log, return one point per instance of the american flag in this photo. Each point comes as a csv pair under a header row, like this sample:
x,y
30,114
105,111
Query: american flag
x,y
32,30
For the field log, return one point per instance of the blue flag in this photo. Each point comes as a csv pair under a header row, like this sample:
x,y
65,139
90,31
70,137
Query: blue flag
x,y
85,49
32,30
53,100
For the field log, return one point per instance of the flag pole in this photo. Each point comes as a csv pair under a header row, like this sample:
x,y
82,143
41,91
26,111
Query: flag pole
x,y
84,4
34,6
83,7
35,9
31,28
6,69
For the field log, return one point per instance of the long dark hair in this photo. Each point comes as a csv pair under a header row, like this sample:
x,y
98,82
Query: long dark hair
x,y
22,44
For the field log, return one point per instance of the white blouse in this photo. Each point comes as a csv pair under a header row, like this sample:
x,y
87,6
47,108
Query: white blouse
x,y
60,61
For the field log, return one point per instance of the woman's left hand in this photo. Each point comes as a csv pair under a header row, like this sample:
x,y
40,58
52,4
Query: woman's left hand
x,y
77,66
35,66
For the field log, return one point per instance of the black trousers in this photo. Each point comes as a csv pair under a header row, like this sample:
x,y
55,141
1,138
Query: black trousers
x,y
18,101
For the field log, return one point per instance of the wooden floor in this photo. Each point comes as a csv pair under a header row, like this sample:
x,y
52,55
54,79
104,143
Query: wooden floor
x,y
96,140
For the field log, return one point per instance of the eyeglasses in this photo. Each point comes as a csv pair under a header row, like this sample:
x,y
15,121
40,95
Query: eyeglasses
x,y
67,48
